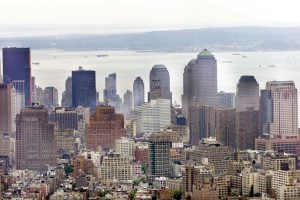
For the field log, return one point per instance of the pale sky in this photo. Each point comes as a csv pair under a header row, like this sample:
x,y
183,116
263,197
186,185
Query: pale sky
x,y
150,14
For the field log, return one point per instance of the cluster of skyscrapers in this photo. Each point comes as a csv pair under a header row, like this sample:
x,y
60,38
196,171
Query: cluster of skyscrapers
x,y
203,148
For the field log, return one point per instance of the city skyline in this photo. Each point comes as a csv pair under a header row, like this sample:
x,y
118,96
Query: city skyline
x,y
110,111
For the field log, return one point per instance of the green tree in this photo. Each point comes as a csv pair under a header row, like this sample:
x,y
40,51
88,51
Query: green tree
x,y
68,169
132,195
177,194
144,168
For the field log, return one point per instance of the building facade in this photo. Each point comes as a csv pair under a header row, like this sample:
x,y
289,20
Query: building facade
x,y
17,67
105,128
84,89
151,117
35,144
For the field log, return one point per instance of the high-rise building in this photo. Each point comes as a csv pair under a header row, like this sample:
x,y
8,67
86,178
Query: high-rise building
x,y
151,117
265,111
202,123
226,99
7,108
284,110
84,88
17,67
247,128
159,155
247,93
35,145
225,127
50,97
105,128
127,104
138,92
66,100
159,83
110,87
110,93
200,82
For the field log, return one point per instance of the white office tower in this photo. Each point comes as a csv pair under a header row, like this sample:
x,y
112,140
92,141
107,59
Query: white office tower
x,y
151,117
284,107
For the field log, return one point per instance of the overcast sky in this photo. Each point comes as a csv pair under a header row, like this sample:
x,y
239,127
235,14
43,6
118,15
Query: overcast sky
x,y
151,14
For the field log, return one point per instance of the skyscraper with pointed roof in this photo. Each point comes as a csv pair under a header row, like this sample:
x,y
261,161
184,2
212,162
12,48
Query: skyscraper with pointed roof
x,y
200,82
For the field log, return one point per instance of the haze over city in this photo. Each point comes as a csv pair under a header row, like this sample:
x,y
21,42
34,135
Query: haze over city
x,y
149,100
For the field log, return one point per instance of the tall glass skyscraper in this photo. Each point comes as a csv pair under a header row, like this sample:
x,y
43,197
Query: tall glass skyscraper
x,y
84,88
200,82
138,92
247,93
159,83
17,67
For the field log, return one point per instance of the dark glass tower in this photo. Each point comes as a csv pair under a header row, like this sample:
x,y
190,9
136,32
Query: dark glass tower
x,y
17,67
138,92
84,88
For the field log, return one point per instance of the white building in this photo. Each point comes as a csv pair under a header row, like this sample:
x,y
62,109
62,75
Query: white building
x,y
125,147
284,107
115,168
152,117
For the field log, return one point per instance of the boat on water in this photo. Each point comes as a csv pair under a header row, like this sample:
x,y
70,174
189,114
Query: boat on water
x,y
35,63
236,54
271,65
244,56
102,55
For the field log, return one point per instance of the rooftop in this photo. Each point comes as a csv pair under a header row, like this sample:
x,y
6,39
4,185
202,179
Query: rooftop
x,y
205,54
159,67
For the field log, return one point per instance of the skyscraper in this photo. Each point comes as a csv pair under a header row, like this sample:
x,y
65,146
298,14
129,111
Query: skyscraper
x,y
202,123
247,128
200,82
110,92
159,83
284,110
247,93
106,127
138,91
84,88
66,100
50,97
265,111
35,146
151,117
127,104
159,155
7,108
17,67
